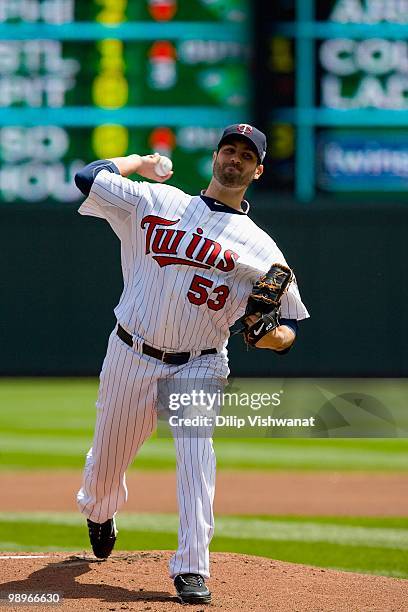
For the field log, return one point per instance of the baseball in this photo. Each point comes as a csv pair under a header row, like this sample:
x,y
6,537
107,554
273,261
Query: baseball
x,y
163,166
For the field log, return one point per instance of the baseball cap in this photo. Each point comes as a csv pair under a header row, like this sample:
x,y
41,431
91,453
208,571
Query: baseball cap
x,y
244,130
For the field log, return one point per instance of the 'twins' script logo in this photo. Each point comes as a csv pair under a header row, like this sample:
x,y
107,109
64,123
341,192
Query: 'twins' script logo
x,y
200,252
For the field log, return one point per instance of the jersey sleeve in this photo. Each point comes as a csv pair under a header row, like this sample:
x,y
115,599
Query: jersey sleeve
x,y
113,198
292,306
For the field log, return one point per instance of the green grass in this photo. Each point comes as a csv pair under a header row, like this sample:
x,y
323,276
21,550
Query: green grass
x,y
378,546
48,423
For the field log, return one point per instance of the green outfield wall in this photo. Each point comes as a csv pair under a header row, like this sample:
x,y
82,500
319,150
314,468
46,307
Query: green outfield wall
x,y
61,279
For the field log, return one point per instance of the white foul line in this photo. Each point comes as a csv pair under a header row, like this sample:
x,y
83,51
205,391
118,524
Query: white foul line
x,y
24,556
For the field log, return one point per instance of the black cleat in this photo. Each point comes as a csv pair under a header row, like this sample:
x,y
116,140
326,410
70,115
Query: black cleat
x,y
191,589
102,537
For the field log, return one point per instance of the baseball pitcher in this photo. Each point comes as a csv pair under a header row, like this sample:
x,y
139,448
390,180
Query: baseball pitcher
x,y
193,265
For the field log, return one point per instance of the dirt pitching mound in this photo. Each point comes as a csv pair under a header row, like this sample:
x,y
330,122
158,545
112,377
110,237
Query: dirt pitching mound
x,y
139,581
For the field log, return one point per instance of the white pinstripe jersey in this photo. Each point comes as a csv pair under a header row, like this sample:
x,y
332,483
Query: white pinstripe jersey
x,y
188,263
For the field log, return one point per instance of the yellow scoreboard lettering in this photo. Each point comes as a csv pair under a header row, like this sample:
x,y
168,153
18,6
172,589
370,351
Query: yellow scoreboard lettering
x,y
110,88
283,141
281,59
110,91
113,11
111,50
110,141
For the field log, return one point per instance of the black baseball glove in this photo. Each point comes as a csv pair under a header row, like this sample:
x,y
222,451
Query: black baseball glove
x,y
264,302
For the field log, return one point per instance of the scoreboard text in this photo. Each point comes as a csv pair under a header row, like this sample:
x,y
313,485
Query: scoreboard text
x,y
103,78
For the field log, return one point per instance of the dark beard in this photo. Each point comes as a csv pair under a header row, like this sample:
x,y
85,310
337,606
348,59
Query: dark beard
x,y
236,179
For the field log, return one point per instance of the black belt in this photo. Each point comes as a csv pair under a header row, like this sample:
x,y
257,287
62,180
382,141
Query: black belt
x,y
170,358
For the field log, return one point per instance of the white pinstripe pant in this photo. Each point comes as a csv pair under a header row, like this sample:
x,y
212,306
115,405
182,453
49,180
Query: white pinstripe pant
x,y
126,416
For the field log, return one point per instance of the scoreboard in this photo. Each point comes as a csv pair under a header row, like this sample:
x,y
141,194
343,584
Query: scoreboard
x,y
82,80
338,95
